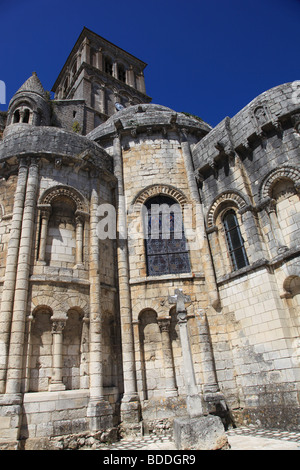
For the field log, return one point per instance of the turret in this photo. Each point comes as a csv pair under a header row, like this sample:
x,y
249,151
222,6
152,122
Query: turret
x,y
28,106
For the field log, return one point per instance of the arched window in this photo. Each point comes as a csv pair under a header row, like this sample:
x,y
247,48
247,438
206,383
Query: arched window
x,y
66,84
121,73
16,116
61,236
26,116
108,68
74,68
166,246
63,212
287,211
235,240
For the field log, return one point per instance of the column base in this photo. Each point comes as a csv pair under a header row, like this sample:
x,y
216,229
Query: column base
x,y
57,387
79,266
10,421
100,415
194,405
130,409
172,392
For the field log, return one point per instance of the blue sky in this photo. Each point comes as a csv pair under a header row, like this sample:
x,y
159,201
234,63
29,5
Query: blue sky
x,y
209,58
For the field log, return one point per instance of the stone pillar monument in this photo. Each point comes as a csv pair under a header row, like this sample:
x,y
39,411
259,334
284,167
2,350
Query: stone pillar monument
x,y
193,398
164,326
196,431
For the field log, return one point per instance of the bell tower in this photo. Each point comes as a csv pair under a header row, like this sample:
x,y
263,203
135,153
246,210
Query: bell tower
x,y
102,75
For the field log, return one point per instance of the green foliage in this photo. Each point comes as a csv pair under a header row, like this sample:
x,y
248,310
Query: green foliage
x,y
192,116
76,127
48,95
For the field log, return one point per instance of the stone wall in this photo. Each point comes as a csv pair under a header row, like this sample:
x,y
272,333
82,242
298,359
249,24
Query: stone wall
x,y
46,220
251,163
153,162
89,335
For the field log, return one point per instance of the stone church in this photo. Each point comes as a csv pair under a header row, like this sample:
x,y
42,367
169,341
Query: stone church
x,y
114,314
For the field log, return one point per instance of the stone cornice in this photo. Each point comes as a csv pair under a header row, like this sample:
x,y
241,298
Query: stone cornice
x,y
52,143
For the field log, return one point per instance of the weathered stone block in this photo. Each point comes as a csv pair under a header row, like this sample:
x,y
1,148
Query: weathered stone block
x,y
201,433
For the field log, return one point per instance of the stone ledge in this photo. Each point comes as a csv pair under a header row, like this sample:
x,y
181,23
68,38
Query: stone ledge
x,y
33,397
263,263
166,277
58,279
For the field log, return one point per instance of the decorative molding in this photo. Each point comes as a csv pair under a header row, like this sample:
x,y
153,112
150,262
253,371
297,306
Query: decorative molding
x,y
55,192
157,190
286,172
232,197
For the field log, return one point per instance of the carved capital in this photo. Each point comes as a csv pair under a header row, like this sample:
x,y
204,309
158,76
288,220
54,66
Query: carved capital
x,y
164,324
271,206
57,325
182,317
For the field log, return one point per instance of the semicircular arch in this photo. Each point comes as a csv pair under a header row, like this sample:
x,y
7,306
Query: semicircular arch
x,y
228,198
160,190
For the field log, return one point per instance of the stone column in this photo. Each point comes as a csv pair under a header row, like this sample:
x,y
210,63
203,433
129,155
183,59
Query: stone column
x,y
214,243
16,349
28,353
211,390
11,270
171,388
57,359
130,77
21,111
210,384
102,100
139,357
45,214
79,241
193,399
115,69
99,410
210,280
275,227
84,352
100,59
130,406
141,83
85,56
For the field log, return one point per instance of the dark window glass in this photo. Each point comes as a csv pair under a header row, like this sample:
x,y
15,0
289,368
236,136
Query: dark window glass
x,y
108,66
166,246
121,74
17,116
26,116
235,241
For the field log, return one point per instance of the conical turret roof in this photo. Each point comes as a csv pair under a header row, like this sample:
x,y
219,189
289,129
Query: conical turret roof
x,y
32,85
